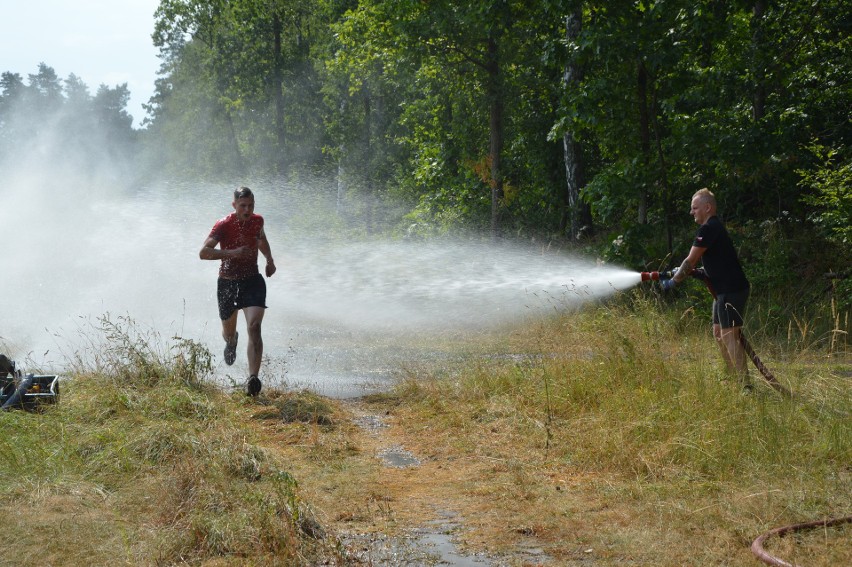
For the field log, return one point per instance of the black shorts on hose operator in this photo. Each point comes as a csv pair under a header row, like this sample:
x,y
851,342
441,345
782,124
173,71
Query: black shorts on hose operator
x,y
729,308
237,294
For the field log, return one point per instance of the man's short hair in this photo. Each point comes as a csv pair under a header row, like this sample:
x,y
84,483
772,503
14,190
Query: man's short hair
x,y
243,193
706,196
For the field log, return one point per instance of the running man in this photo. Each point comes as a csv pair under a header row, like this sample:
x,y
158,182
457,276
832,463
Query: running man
x,y
240,236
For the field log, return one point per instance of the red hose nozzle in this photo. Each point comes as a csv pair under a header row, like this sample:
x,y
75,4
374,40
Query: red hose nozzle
x,y
656,276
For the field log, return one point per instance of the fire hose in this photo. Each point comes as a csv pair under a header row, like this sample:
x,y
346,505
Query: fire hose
x,y
760,553
757,544
764,371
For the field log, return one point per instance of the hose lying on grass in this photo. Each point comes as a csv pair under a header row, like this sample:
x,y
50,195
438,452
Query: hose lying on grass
x,y
757,545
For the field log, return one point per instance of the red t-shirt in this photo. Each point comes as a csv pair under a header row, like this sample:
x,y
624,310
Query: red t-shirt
x,y
232,233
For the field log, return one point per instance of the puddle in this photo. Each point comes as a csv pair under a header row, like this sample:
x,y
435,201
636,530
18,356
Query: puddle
x,y
446,550
398,458
430,545
422,547
394,456
371,423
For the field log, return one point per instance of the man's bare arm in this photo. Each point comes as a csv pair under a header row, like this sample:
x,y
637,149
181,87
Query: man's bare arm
x,y
264,248
210,252
689,263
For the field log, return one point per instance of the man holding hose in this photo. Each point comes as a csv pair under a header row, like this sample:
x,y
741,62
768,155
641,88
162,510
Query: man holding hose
x,y
713,246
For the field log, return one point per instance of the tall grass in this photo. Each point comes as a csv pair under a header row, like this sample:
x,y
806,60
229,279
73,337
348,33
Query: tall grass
x,y
634,394
146,462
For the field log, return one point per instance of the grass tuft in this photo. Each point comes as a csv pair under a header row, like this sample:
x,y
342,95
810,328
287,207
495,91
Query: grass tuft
x,y
150,463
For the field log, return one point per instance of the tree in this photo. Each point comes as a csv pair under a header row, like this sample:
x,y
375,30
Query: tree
x,y
47,89
475,84
576,217
193,41
57,121
109,106
240,71
472,37
509,116
11,98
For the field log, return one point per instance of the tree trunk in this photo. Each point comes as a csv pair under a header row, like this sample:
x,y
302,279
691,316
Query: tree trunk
x,y
717,18
495,150
758,59
663,175
341,166
368,158
575,212
239,163
278,90
644,137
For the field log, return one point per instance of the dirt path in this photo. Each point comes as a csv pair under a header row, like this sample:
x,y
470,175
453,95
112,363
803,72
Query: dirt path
x,y
390,494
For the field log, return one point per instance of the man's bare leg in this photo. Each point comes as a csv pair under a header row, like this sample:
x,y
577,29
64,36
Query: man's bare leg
x,y
229,333
734,353
723,349
254,350
229,327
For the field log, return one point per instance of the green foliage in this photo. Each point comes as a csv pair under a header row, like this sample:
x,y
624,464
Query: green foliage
x,y
241,85
639,246
830,194
432,105
679,95
789,266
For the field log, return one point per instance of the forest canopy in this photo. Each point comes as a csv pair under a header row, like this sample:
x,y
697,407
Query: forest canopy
x,y
582,122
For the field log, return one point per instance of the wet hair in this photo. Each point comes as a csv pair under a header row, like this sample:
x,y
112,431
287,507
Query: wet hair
x,y
243,193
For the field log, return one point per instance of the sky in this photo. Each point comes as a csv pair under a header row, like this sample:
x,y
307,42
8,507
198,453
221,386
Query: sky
x,y
101,41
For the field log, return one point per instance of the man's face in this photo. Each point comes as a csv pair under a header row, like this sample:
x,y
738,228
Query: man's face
x,y
700,210
244,207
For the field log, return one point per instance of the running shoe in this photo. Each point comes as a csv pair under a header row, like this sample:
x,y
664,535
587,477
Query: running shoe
x,y
231,350
253,385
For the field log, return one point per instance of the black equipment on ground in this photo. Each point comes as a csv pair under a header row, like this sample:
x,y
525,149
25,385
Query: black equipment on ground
x,y
27,392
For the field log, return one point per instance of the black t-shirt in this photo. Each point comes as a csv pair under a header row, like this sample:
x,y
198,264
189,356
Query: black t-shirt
x,y
720,259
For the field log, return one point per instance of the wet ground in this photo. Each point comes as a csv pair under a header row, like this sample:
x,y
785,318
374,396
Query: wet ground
x,y
433,543
430,545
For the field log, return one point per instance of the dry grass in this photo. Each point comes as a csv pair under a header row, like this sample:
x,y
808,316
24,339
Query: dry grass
x,y
144,463
609,437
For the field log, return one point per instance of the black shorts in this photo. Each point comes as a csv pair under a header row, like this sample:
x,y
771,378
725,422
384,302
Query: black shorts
x,y
237,294
729,308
